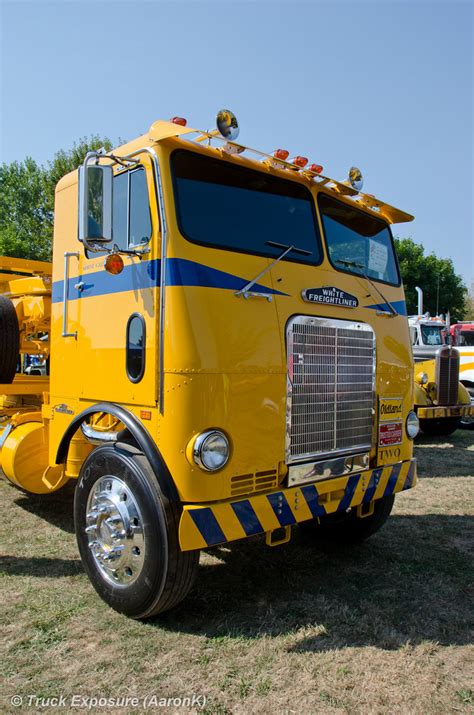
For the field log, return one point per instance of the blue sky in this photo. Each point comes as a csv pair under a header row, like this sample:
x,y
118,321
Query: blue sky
x,y
384,85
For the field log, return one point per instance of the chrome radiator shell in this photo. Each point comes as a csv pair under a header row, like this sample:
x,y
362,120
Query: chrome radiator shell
x,y
447,375
330,387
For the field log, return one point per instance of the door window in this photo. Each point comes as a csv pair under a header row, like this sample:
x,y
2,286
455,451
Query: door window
x,y
135,341
131,210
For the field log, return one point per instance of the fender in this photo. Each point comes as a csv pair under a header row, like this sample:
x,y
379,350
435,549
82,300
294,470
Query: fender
x,y
138,432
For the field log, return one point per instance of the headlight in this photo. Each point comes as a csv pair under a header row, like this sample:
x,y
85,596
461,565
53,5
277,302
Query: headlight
x,y
412,425
211,450
422,378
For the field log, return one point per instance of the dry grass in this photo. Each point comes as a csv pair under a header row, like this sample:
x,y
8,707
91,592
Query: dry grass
x,y
381,628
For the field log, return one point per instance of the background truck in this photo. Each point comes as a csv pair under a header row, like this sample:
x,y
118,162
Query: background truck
x,y
229,356
441,398
462,336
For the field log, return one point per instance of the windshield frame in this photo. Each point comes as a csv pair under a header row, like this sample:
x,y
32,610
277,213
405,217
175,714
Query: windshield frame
x,y
347,270
292,257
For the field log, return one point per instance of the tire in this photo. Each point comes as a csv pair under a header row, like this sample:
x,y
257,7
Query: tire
x,y
9,341
347,527
152,574
440,427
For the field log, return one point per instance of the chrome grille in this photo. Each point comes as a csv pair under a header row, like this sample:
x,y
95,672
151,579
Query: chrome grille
x,y
331,369
447,375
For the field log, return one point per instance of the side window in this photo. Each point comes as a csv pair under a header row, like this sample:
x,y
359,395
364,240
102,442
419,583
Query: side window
x,y
120,211
135,347
131,211
139,222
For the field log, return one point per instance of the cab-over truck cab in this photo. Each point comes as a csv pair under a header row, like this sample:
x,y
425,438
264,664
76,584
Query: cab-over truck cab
x,y
230,356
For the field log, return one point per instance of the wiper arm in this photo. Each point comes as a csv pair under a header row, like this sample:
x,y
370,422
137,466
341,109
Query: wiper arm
x,y
246,290
353,264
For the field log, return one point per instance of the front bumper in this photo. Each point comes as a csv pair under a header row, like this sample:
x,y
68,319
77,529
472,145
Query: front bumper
x,y
205,525
432,413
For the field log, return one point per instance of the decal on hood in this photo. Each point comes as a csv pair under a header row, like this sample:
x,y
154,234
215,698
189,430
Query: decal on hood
x,y
330,295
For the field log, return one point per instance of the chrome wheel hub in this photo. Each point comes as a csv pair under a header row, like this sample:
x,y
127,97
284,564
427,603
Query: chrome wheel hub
x,y
114,528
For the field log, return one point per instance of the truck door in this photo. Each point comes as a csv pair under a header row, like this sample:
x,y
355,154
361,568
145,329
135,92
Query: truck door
x,y
117,314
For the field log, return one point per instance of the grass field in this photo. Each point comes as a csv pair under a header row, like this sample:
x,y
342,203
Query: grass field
x,y
379,628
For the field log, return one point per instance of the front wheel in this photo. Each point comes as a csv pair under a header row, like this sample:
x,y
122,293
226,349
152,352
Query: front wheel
x,y
347,527
127,534
440,427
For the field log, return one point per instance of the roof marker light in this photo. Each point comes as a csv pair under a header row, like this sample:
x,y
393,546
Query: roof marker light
x,y
300,161
281,154
179,120
315,168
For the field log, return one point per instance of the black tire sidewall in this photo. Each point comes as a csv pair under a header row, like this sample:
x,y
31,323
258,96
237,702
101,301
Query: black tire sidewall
x,y
9,341
126,464
350,528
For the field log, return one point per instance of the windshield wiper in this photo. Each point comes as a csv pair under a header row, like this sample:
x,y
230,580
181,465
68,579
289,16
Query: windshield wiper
x,y
246,290
352,264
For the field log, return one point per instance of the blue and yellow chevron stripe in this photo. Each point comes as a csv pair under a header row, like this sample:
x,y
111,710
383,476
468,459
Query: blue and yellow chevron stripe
x,y
211,524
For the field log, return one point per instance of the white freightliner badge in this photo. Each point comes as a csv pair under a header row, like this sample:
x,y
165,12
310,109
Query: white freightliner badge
x,y
330,295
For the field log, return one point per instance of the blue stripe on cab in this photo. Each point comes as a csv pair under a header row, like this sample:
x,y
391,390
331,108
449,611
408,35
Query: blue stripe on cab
x,y
399,305
181,272
138,276
208,525
281,508
245,513
146,274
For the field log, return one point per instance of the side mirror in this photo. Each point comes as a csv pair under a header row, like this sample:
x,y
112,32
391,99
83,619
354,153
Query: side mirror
x,y
95,203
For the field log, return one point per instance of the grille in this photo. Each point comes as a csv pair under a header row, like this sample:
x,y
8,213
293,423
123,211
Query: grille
x,y
258,482
330,402
447,376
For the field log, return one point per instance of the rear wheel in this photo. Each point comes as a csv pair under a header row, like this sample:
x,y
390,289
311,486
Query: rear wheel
x,y
440,427
9,341
127,533
347,527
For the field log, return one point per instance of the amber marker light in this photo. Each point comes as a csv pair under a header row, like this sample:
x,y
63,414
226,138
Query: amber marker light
x,y
179,120
300,161
114,264
315,168
281,154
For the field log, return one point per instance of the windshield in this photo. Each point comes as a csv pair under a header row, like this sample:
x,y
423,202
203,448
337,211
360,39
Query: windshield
x,y
466,337
223,205
357,242
432,334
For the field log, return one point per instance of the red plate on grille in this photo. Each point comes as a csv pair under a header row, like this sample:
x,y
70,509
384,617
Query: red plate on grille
x,y
390,433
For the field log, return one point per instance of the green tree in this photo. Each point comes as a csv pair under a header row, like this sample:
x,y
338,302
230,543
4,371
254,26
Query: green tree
x,y
25,216
27,199
470,304
443,289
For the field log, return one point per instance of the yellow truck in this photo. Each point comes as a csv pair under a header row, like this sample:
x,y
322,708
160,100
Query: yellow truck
x,y
228,355
441,401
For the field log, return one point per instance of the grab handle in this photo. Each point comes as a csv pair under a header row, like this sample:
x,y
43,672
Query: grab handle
x,y
67,255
